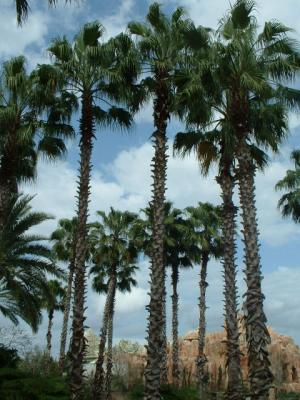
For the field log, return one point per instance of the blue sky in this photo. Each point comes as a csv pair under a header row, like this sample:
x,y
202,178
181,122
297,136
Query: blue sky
x,y
121,176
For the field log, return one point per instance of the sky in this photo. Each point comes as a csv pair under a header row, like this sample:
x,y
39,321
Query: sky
x,y
121,175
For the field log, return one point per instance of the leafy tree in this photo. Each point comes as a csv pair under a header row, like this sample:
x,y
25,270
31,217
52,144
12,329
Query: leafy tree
x,y
33,121
205,228
289,203
53,302
161,44
25,261
114,258
92,70
23,8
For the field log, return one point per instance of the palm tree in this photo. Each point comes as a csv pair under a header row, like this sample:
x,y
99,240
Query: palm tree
x,y
253,66
179,253
251,103
33,122
64,238
25,262
289,203
160,41
53,302
114,256
92,70
22,9
124,283
205,228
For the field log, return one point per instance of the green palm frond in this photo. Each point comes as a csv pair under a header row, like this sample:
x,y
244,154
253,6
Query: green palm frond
x,y
25,262
289,203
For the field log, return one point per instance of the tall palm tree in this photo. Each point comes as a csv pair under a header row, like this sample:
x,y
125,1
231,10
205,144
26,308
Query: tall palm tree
x,y
92,70
251,103
23,8
114,256
124,283
53,302
33,121
289,203
254,66
205,227
64,238
178,253
25,261
160,41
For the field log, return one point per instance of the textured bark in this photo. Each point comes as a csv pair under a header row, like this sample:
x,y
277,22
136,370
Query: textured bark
x,y
260,376
64,331
78,341
164,351
8,188
175,349
98,384
229,211
155,316
49,332
109,355
202,360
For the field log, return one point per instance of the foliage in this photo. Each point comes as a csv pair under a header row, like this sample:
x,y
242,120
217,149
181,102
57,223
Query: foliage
x,y
167,393
25,261
125,374
18,385
8,357
16,338
34,121
289,203
36,362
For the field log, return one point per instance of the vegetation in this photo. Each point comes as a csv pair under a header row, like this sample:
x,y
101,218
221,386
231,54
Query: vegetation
x,y
232,91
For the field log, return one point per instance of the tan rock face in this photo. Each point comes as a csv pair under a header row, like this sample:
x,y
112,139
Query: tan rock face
x,y
284,355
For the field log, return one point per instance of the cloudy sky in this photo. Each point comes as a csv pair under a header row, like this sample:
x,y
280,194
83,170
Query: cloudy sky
x,y
121,176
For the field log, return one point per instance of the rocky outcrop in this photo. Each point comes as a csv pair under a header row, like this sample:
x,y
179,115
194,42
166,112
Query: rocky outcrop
x,y
284,356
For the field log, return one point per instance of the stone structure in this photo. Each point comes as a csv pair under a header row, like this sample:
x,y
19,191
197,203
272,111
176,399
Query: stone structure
x,y
284,355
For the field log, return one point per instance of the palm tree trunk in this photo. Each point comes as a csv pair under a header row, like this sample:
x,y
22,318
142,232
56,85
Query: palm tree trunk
x,y
98,384
159,166
258,338
78,341
202,360
109,356
49,332
175,350
8,188
164,350
64,331
229,211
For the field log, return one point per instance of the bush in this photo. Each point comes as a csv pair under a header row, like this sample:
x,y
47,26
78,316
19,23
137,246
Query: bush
x,y
167,392
288,396
37,363
19,385
8,357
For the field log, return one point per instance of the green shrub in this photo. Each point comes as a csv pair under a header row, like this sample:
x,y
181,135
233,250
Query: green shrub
x,y
167,392
37,363
18,385
288,396
8,357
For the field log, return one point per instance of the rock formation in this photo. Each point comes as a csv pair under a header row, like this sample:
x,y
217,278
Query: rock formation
x,y
284,355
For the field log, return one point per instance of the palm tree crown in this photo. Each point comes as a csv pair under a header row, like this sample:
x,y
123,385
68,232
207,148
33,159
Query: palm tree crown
x,y
290,201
